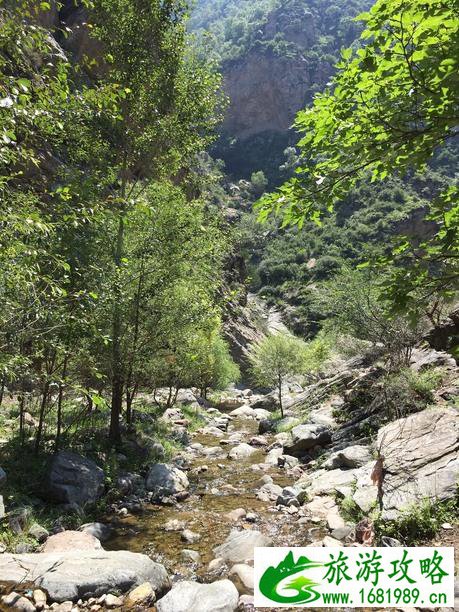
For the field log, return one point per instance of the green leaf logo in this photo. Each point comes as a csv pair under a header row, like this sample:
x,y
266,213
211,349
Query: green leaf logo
x,y
276,578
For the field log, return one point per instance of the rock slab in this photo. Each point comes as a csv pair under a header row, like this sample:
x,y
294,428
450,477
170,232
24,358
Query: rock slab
x,y
166,480
220,596
421,458
83,574
73,479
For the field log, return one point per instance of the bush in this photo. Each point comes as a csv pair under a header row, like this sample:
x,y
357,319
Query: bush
x,y
419,523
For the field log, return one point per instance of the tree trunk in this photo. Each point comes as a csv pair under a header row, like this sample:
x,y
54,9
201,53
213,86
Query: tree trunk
x,y
59,405
41,420
117,361
21,418
131,394
2,389
279,386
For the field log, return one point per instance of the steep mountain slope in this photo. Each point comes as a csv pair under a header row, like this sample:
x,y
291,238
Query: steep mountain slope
x,y
275,55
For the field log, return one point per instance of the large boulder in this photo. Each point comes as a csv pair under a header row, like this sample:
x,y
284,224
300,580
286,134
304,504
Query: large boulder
x,y
67,541
421,459
73,479
82,574
241,451
165,480
99,530
220,596
239,545
350,457
330,482
306,437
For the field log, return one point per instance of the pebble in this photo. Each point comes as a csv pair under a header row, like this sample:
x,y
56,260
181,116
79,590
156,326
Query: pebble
x,y
216,564
39,598
111,601
236,514
190,536
190,555
141,595
17,602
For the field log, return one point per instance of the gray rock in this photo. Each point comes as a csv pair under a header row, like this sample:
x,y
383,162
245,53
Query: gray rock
x,y
350,457
23,547
82,574
220,596
269,492
239,545
130,483
68,541
2,507
323,482
341,533
38,532
17,602
73,479
241,451
190,556
306,437
421,460
272,458
166,480
190,536
287,461
99,530
242,576
266,426
429,358
2,477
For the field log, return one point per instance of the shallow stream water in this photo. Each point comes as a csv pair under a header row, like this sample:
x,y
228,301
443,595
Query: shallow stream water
x,y
226,485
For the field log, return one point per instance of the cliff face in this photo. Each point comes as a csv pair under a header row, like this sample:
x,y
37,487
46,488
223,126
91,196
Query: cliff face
x,y
273,63
268,86
266,91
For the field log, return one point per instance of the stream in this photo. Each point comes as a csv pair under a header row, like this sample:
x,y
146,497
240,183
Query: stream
x,y
218,485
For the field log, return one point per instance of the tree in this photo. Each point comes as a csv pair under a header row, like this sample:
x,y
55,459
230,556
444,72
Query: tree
x,y
353,304
392,104
276,357
213,367
259,182
165,115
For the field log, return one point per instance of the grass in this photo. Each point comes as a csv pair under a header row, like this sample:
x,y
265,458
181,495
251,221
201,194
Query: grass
x,y
25,471
419,523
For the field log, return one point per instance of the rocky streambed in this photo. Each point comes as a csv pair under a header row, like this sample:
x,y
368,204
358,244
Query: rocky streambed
x,y
243,480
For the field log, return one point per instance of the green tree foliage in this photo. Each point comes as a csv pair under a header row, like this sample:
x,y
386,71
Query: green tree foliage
x,y
392,104
108,255
354,305
275,358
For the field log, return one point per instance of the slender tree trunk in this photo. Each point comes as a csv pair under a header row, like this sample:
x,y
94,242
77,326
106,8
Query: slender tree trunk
x,y
59,404
130,395
21,418
117,359
90,403
41,419
2,389
279,386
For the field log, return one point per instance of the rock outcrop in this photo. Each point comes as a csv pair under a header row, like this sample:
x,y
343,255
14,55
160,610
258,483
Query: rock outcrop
x,y
165,480
73,479
187,596
421,459
82,574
